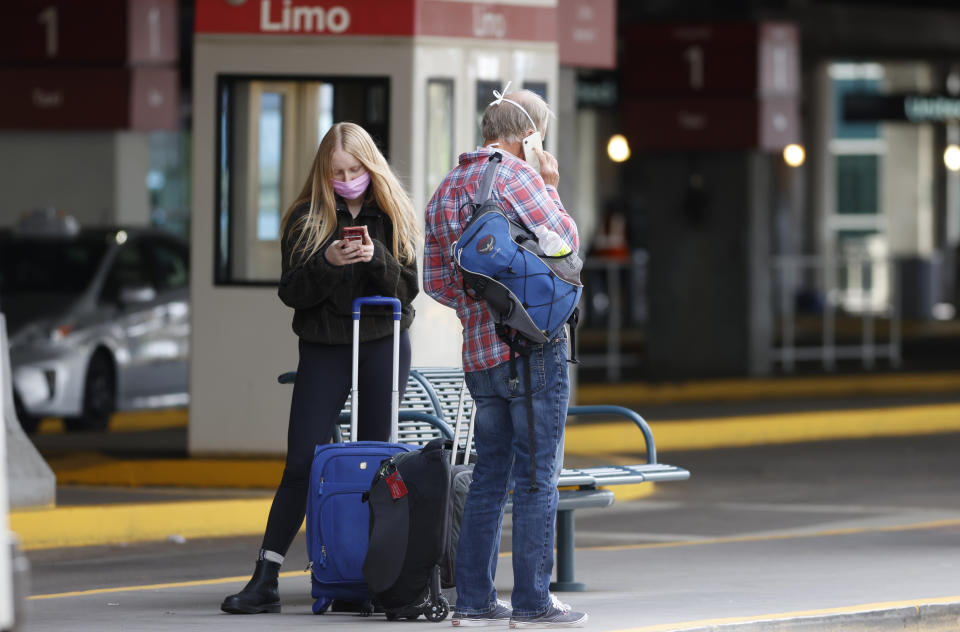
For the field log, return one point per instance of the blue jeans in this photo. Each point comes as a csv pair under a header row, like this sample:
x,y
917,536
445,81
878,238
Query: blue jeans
x,y
503,458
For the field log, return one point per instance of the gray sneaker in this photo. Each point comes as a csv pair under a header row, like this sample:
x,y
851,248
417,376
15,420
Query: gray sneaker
x,y
559,615
500,614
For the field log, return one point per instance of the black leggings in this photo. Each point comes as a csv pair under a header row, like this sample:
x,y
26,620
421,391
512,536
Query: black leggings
x,y
319,393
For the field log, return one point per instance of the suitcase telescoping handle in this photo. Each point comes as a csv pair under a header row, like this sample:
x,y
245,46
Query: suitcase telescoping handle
x,y
456,432
358,304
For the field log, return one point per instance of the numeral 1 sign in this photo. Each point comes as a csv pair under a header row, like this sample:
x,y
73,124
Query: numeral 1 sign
x,y
48,17
95,32
153,30
694,58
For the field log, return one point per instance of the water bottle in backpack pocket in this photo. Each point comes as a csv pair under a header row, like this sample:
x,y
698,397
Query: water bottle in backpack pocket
x,y
558,255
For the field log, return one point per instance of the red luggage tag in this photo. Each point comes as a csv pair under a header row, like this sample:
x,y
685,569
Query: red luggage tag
x,y
397,487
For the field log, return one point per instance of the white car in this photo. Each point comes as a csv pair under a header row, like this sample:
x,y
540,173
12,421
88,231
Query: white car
x,y
98,319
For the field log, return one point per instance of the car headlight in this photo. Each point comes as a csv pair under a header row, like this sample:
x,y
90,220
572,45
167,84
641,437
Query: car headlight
x,y
60,333
41,335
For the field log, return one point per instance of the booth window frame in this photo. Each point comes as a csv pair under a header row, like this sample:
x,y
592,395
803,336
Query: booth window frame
x,y
448,85
224,215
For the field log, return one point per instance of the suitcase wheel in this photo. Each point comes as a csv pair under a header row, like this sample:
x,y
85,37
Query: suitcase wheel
x,y
437,610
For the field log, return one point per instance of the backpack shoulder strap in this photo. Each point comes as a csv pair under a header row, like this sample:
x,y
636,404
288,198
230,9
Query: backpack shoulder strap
x,y
485,190
486,179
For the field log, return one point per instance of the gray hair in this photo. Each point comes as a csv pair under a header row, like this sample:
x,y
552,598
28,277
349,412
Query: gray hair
x,y
503,120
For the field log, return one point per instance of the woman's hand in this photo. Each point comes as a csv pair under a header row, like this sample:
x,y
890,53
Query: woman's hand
x,y
346,251
366,247
343,252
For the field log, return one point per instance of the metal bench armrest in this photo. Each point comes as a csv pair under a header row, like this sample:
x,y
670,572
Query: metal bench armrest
x,y
623,412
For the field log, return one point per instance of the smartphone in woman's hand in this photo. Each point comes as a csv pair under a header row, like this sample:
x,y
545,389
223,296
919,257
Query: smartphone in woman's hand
x,y
352,233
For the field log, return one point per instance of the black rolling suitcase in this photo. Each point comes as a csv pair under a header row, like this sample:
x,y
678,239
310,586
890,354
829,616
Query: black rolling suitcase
x,y
410,531
408,524
460,477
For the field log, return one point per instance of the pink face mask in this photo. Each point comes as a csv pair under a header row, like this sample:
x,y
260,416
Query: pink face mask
x,y
353,189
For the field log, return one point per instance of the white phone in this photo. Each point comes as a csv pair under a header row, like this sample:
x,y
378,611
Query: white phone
x,y
531,141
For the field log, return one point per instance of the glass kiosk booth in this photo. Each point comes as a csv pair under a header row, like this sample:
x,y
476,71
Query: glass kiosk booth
x,y
269,78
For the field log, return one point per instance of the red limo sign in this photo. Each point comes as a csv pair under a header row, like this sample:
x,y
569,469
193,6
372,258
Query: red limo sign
x,y
485,20
286,17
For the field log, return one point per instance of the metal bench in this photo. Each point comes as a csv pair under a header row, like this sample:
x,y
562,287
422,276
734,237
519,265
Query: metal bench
x,y
418,423
430,405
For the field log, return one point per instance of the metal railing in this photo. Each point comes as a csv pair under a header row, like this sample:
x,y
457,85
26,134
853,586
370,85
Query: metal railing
x,y
613,300
857,286
865,287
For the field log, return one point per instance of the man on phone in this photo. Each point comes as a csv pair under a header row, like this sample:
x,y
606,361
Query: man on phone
x,y
514,124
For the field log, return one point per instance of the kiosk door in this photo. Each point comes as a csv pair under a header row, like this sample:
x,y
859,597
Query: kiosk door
x,y
269,129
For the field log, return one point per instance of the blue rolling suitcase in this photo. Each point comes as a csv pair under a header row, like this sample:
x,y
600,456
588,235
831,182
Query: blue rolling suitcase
x,y
337,519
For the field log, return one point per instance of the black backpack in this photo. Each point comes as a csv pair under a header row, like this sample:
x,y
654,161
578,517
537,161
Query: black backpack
x,y
408,501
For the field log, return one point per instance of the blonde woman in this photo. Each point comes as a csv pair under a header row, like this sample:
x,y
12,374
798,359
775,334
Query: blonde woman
x,y
349,185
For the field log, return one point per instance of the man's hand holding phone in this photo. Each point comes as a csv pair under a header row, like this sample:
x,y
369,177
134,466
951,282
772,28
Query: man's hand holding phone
x,y
354,246
542,162
549,170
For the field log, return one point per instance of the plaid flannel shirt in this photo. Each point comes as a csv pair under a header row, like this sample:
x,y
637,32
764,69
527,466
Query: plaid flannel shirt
x,y
521,194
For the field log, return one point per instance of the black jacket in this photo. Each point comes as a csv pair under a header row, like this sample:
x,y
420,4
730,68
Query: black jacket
x,y
322,294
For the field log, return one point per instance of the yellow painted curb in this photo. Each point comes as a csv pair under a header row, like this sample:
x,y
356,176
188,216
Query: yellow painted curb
x,y
645,394
624,437
212,473
132,421
106,524
217,473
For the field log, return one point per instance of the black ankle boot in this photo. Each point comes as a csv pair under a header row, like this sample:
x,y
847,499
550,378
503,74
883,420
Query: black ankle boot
x,y
259,595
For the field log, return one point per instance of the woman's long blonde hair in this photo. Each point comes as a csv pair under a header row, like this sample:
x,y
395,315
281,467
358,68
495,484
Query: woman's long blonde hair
x,y
321,221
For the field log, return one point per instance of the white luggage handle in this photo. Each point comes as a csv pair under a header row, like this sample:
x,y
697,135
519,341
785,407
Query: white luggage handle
x,y
358,304
456,431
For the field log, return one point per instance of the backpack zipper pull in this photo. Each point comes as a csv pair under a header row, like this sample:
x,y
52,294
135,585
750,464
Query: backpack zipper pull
x,y
323,556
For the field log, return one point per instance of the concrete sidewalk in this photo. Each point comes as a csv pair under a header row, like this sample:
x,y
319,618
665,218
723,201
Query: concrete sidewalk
x,y
875,579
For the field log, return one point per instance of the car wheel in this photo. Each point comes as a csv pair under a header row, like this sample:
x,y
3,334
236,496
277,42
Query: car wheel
x,y
28,422
99,394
